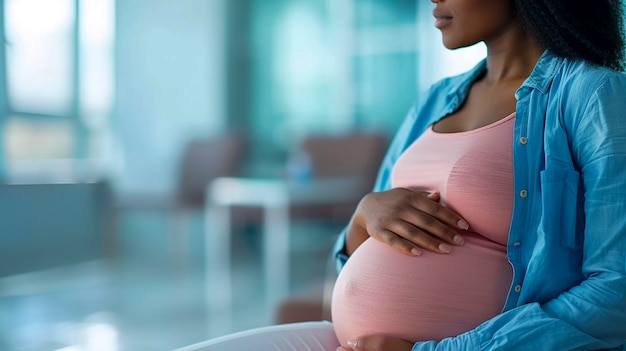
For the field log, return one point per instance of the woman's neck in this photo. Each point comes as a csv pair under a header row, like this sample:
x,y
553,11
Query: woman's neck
x,y
511,57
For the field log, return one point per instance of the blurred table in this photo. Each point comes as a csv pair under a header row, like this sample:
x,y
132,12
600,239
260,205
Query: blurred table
x,y
275,197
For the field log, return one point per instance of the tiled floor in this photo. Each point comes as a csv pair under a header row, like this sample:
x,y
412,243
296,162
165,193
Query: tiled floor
x,y
146,300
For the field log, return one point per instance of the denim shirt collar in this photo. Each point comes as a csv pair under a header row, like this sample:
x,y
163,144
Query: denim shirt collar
x,y
542,75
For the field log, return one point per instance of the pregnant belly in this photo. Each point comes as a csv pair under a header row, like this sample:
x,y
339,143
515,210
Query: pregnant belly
x,y
428,297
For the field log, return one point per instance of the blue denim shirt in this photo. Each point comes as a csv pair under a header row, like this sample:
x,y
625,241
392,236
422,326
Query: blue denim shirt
x,y
567,240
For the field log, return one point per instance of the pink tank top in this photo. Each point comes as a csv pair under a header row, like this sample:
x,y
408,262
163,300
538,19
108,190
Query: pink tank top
x,y
433,296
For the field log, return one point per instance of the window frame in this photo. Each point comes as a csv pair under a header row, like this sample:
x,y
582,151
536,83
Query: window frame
x,y
80,134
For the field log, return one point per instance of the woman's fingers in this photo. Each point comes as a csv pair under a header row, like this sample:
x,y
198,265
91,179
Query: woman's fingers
x,y
428,232
435,237
411,221
435,209
408,239
398,243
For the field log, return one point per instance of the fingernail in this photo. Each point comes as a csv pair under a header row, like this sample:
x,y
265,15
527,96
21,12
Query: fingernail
x,y
445,248
352,343
458,240
416,252
462,224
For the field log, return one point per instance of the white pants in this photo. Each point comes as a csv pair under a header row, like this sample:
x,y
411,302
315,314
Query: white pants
x,y
306,336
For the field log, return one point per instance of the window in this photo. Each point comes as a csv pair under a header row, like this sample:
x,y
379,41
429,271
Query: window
x,y
57,84
39,55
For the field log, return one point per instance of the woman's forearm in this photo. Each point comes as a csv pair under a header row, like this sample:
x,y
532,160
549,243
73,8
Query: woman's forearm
x,y
356,234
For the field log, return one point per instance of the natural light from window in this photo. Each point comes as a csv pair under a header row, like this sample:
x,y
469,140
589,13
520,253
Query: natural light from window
x,y
39,55
59,64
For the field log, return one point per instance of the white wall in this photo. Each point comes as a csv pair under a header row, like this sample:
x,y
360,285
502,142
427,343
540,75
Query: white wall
x,y
168,85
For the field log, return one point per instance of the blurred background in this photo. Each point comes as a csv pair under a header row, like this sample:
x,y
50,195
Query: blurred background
x,y
118,118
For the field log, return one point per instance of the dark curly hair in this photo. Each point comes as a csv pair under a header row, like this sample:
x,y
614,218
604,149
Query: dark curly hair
x,y
590,30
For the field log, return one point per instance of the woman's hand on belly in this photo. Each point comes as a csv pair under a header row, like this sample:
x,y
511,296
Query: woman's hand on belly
x,y
406,220
377,343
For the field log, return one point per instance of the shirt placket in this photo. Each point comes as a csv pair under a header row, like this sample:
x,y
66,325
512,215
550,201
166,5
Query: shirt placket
x,y
521,209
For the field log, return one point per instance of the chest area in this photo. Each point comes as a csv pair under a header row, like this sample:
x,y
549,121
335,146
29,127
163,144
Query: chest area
x,y
482,106
472,170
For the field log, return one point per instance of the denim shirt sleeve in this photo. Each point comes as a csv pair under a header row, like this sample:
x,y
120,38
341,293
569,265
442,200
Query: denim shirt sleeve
x,y
591,314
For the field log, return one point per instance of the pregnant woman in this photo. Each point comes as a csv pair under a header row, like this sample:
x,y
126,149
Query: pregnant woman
x,y
498,220
433,296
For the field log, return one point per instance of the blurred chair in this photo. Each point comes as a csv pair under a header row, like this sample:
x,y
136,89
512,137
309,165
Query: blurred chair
x,y
202,160
206,159
357,155
349,154
354,155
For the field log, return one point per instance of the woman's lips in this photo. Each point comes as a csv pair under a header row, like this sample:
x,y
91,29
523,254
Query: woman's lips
x,y
441,20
